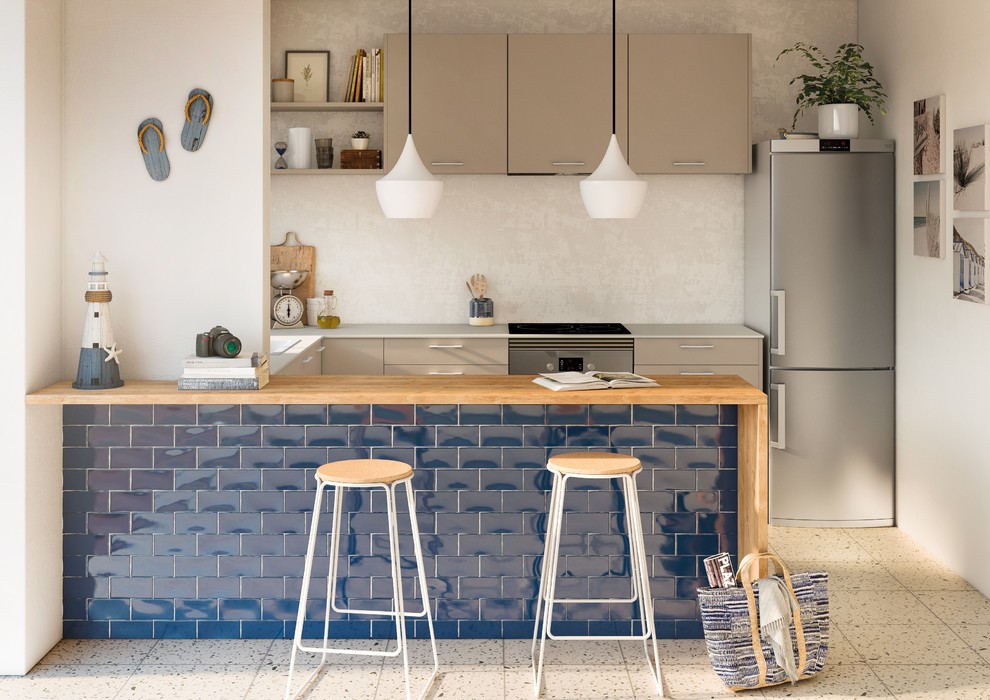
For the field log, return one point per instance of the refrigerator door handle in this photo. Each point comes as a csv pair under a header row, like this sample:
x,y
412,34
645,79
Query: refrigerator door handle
x,y
781,442
781,296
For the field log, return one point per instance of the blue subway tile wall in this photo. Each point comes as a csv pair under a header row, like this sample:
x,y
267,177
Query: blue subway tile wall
x,y
192,521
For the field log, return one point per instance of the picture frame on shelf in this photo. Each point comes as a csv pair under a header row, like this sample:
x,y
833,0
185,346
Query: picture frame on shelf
x,y
311,72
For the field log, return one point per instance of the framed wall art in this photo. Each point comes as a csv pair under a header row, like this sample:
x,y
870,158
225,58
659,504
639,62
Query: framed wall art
x,y
928,218
311,72
969,252
929,126
969,177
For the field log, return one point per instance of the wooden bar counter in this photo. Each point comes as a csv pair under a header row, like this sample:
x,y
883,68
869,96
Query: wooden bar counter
x,y
215,480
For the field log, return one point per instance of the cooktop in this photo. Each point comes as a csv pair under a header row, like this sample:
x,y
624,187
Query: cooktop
x,y
568,329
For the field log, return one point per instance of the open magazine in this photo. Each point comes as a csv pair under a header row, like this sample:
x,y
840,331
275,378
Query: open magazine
x,y
576,381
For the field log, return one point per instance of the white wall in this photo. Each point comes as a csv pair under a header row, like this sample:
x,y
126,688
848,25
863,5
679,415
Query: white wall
x,y
30,521
922,49
191,251
680,261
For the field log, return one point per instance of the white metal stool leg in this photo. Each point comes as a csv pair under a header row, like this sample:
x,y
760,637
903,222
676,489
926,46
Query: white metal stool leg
x,y
421,576
304,594
646,604
548,575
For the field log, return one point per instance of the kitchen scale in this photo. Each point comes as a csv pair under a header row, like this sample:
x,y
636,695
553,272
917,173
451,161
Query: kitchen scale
x,y
288,310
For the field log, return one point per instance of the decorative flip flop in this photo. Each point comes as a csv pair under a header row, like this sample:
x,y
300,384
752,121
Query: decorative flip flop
x,y
199,109
151,139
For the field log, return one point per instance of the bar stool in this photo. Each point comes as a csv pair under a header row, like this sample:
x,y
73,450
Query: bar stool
x,y
594,465
385,474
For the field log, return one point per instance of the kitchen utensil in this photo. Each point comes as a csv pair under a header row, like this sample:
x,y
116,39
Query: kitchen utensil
x,y
479,283
470,291
290,254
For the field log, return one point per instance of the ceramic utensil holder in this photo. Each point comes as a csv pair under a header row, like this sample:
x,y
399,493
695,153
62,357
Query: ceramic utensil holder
x,y
482,312
300,155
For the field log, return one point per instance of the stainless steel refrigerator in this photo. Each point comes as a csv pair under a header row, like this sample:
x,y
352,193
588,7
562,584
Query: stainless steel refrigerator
x,y
819,280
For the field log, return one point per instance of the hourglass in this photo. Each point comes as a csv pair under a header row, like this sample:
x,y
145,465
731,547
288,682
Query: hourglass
x,y
281,147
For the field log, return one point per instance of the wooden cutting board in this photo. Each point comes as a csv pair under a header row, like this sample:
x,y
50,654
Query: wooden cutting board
x,y
296,257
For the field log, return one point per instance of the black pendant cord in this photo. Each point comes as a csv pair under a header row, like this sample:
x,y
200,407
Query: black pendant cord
x,y
613,66
410,68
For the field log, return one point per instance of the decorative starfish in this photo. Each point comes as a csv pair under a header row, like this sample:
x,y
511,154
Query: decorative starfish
x,y
112,353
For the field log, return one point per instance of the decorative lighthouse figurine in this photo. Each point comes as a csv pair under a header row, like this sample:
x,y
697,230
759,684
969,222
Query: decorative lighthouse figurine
x,y
99,367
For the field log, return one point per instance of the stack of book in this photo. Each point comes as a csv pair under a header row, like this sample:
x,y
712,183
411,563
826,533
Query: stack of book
x,y
366,81
224,373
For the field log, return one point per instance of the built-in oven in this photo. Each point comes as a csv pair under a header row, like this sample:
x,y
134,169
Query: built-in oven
x,y
563,347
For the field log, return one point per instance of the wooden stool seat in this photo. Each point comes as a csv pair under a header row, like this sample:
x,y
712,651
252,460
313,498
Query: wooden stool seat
x,y
592,463
364,471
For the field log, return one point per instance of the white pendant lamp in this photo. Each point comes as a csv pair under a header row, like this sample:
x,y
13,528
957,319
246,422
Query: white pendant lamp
x,y
409,191
613,191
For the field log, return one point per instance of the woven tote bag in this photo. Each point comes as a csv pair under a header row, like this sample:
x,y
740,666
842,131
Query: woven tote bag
x,y
732,631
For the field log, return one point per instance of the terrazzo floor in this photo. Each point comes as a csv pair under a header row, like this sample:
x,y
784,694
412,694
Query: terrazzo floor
x,y
904,626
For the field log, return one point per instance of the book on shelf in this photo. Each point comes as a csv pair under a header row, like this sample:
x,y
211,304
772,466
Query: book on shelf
x,y
365,81
225,383
578,381
243,360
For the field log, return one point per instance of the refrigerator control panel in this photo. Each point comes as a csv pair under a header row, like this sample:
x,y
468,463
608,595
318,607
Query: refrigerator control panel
x,y
833,144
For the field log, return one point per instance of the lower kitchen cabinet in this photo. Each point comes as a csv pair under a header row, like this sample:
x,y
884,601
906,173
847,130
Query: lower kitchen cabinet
x,y
305,363
446,356
701,356
353,356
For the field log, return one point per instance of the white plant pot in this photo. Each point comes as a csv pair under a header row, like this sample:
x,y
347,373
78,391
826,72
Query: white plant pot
x,y
838,121
359,144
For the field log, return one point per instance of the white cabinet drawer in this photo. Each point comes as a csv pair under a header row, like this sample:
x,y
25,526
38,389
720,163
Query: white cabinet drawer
x,y
750,373
689,351
445,370
444,351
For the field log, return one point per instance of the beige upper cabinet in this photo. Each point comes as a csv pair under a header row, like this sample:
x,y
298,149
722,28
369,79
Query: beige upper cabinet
x,y
459,94
689,103
560,101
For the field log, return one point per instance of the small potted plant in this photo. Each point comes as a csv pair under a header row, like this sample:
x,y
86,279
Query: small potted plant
x,y
841,87
359,140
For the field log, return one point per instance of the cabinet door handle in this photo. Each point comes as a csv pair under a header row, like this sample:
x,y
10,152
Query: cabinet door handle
x,y
781,442
781,297
320,349
697,347
447,373
307,360
567,162
452,162
696,163
697,374
446,347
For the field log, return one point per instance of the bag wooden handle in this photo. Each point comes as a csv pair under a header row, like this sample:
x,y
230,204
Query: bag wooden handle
x,y
747,584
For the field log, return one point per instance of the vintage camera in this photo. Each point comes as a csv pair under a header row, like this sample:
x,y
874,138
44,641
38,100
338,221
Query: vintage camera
x,y
217,341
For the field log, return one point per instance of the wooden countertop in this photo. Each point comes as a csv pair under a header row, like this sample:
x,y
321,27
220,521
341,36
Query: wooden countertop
x,y
352,389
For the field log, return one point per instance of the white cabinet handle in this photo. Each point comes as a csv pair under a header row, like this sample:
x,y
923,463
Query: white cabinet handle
x,y
567,162
446,347
697,347
307,360
697,374
447,373
447,162
781,442
781,318
696,163
320,349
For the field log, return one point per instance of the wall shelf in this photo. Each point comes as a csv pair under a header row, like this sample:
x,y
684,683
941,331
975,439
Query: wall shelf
x,y
328,106
329,171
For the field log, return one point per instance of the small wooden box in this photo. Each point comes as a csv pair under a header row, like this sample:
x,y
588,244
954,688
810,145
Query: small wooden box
x,y
365,159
